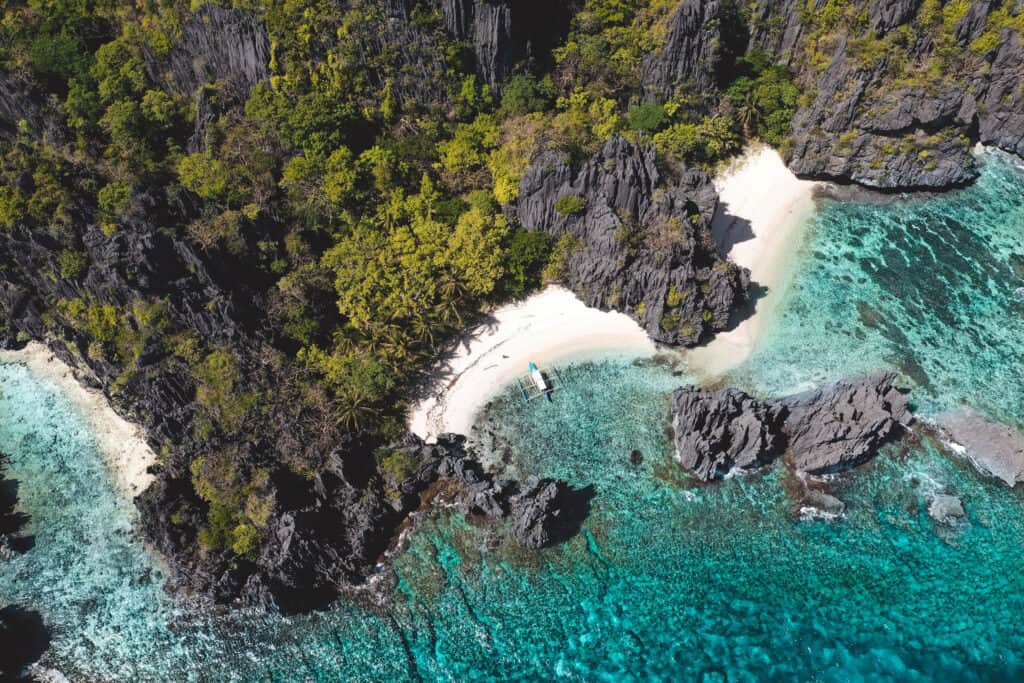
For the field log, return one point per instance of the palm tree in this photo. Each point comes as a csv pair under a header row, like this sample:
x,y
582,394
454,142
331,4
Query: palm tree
x,y
748,114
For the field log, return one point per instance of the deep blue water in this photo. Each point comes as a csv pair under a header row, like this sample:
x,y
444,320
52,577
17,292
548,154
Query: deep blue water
x,y
669,580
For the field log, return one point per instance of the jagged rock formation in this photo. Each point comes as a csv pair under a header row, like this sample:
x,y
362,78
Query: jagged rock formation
x,y
718,430
994,449
24,637
542,512
216,45
392,49
698,50
868,124
642,240
775,26
842,425
823,431
20,102
506,34
228,50
329,533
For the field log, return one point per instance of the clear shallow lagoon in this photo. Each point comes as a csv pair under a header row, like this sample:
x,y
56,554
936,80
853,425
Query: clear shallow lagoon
x,y
669,579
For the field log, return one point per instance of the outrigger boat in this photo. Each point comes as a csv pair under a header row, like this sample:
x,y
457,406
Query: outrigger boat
x,y
536,383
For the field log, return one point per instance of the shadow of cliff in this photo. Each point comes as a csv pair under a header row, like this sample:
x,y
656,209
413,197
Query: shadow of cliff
x,y
749,307
575,507
12,522
24,638
729,230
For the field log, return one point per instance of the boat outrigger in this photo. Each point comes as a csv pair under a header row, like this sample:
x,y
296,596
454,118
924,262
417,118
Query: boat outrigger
x,y
536,383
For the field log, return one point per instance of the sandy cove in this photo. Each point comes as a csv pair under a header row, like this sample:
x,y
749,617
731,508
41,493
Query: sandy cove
x,y
762,211
547,327
121,443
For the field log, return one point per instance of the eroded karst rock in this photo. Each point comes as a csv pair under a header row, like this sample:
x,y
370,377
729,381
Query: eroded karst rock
x,y
822,431
699,50
507,34
718,430
844,424
864,125
217,44
640,240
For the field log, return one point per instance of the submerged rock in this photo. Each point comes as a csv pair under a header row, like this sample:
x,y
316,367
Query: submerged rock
x,y
994,449
718,430
823,431
821,505
945,508
640,240
842,425
12,541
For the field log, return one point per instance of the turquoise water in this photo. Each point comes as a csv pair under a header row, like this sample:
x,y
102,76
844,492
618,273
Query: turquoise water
x,y
669,580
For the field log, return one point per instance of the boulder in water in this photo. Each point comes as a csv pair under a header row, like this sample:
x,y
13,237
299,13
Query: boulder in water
x,y
994,449
843,425
546,512
824,431
945,509
821,505
718,430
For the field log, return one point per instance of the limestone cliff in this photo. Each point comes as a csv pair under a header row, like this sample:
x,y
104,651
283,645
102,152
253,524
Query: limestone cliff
x,y
640,240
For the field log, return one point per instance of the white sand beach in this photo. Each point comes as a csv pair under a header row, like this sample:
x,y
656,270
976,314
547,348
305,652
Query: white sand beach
x,y
548,327
121,443
763,209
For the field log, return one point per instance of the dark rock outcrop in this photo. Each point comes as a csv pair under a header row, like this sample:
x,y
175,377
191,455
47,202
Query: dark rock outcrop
x,y
546,512
718,430
698,51
23,640
221,54
506,35
21,104
891,100
216,45
867,126
776,27
994,449
643,239
542,512
844,424
822,431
